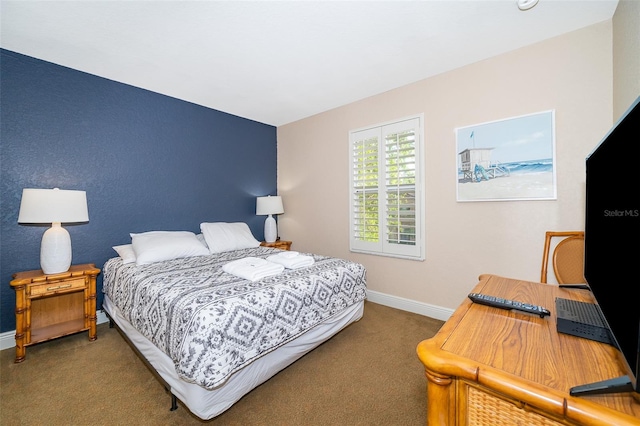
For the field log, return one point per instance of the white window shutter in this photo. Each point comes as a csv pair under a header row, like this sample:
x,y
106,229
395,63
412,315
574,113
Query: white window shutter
x,y
365,187
386,206
401,220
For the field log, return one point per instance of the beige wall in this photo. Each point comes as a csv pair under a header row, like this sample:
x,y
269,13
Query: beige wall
x,y
626,56
570,74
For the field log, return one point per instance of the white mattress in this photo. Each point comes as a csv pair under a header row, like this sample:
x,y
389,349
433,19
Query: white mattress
x,y
207,404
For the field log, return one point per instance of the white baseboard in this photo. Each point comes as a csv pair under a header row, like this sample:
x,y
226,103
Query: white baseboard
x,y
409,305
8,338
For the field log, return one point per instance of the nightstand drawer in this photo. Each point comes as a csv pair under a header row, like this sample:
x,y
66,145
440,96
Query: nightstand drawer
x,y
56,287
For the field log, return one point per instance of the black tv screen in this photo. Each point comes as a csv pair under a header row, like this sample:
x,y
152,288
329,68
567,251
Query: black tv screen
x,y
612,235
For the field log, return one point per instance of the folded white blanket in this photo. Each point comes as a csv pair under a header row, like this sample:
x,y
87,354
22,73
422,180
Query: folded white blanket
x,y
291,259
252,268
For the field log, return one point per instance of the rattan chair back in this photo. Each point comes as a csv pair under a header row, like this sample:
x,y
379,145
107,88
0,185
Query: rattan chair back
x,y
567,257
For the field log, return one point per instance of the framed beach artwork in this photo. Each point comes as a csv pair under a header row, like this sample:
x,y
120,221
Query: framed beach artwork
x,y
509,159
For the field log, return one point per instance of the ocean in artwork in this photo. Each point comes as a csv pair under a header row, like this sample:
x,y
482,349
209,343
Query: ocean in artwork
x,y
525,180
530,166
527,166
521,167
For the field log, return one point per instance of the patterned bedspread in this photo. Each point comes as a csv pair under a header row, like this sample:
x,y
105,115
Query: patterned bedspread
x,y
211,323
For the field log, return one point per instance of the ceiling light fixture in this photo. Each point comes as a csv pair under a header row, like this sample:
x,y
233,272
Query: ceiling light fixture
x,y
526,4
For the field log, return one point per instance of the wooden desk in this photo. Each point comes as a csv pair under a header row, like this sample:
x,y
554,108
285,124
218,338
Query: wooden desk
x,y
488,366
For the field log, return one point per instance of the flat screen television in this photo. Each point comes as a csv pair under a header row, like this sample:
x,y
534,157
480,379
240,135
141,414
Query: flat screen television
x,y
612,244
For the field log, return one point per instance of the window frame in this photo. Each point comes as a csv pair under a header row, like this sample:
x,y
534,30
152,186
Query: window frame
x,y
382,246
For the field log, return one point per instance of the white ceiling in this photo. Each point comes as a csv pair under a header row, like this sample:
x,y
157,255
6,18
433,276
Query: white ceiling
x,y
276,62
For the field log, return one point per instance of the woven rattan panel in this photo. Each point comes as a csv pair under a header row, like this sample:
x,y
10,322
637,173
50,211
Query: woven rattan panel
x,y
485,409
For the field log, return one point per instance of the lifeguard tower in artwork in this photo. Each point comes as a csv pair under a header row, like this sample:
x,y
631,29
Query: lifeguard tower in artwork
x,y
475,165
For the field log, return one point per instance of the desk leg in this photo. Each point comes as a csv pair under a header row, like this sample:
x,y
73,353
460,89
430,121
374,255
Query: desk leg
x,y
440,400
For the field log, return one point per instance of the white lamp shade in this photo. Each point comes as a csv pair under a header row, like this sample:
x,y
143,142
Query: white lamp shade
x,y
53,205
269,205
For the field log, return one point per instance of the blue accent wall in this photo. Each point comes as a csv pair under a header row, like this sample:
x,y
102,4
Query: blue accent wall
x,y
147,162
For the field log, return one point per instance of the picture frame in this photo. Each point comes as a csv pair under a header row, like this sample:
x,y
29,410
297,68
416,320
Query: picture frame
x,y
507,159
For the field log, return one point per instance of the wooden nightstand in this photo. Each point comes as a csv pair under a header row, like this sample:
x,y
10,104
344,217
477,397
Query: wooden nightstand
x,y
55,305
279,244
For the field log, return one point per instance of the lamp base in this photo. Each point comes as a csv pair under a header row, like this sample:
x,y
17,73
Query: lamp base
x,y
270,229
55,250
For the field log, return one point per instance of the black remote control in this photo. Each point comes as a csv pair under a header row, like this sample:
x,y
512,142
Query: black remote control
x,y
497,302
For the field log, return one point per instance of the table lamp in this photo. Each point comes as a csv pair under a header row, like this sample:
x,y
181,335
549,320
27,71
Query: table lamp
x,y
54,206
269,205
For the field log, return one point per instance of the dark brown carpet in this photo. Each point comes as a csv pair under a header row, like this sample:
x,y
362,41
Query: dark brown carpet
x,y
368,374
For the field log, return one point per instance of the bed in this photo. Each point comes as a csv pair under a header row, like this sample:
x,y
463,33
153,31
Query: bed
x,y
213,336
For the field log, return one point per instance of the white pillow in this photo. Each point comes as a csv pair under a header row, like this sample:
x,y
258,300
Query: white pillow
x,y
126,253
222,236
202,240
156,246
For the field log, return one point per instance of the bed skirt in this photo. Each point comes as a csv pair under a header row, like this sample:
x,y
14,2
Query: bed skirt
x,y
207,404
